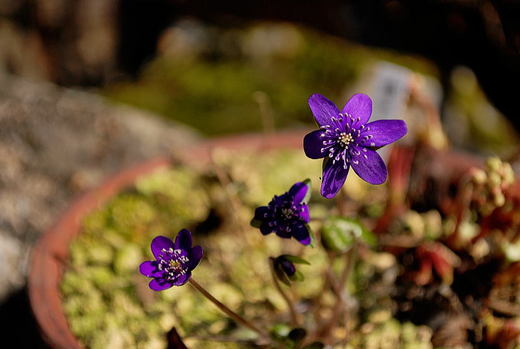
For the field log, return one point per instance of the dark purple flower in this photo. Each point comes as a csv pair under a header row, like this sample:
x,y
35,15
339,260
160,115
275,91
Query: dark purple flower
x,y
286,215
285,265
285,270
345,139
173,261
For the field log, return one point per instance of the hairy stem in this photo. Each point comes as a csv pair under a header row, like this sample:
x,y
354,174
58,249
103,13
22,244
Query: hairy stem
x,y
226,310
339,290
290,305
350,259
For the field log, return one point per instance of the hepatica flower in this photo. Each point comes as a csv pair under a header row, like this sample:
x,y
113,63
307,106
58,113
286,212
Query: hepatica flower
x,y
173,262
286,215
346,139
285,269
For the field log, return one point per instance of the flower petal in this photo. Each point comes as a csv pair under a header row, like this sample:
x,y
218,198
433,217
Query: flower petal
x,y
334,176
370,167
159,243
149,269
265,229
312,145
181,280
160,284
260,213
359,106
195,256
384,132
322,109
287,267
301,233
183,240
283,233
298,191
304,214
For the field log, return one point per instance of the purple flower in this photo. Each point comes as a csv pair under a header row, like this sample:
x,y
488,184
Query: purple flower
x,y
286,215
173,261
285,270
286,266
346,139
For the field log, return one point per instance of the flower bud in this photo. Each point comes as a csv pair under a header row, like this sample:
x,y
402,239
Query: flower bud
x,y
285,269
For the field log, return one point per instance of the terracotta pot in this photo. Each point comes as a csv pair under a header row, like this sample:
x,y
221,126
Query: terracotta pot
x,y
49,256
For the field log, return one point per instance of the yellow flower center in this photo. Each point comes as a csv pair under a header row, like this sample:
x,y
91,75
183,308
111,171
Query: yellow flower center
x,y
287,213
175,265
345,139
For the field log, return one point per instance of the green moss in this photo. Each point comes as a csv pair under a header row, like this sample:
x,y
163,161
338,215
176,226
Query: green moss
x,y
108,301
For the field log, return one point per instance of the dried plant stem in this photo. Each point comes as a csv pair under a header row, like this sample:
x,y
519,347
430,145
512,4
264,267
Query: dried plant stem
x,y
266,111
226,310
433,134
462,203
290,305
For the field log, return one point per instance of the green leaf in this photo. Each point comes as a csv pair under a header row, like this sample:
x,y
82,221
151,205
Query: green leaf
x,y
339,233
295,259
280,274
256,223
368,237
280,330
297,276
307,197
313,237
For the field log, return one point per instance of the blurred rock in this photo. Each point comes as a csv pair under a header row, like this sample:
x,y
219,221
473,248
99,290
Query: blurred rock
x,y
185,40
12,257
272,40
56,143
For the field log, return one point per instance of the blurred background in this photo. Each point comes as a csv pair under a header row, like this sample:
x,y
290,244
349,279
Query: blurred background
x,y
88,87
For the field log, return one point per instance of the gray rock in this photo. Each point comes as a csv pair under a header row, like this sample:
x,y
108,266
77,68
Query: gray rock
x,y
56,143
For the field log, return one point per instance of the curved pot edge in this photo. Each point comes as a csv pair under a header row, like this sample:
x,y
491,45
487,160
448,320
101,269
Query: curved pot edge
x,y
48,258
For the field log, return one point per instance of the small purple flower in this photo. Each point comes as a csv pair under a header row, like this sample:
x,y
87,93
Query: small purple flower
x,y
286,266
346,139
174,261
285,270
286,215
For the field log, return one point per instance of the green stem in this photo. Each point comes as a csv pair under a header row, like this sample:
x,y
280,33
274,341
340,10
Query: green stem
x,y
226,310
290,305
